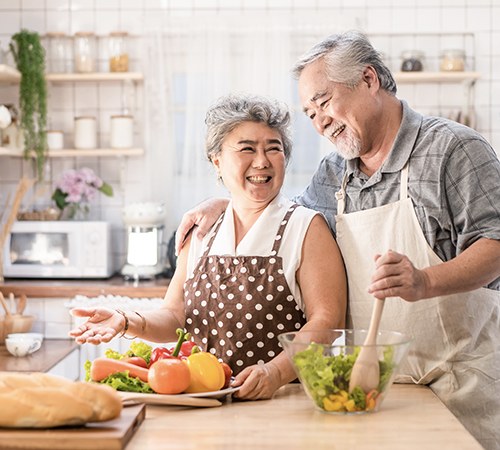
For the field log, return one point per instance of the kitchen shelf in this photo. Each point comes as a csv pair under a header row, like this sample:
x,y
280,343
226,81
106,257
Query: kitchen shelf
x,y
436,77
95,76
9,74
78,153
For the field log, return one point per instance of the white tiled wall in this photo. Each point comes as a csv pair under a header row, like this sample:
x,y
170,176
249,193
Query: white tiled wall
x,y
481,18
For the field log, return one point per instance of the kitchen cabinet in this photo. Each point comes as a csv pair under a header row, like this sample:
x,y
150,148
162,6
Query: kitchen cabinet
x,y
9,75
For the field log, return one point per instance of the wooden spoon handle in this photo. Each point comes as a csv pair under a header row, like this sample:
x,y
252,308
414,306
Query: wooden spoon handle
x,y
21,304
378,307
4,304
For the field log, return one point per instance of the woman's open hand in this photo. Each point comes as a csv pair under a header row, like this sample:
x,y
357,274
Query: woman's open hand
x,y
102,325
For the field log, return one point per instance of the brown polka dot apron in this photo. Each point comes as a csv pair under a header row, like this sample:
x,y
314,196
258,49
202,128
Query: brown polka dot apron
x,y
237,305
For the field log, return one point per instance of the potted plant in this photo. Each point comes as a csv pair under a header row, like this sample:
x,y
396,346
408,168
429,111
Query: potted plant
x,y
75,190
29,56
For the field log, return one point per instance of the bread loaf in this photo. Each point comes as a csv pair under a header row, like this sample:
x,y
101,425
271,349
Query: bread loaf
x,y
39,400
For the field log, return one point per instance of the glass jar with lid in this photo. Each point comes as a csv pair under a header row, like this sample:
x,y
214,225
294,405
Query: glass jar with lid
x,y
412,61
118,51
59,52
452,60
85,44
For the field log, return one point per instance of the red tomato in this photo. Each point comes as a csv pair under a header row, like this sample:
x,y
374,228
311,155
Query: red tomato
x,y
169,376
136,360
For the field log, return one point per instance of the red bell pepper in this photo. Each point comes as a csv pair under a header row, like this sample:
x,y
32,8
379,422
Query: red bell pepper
x,y
182,350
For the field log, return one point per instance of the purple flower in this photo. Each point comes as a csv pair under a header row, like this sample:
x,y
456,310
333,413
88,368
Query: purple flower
x,y
79,186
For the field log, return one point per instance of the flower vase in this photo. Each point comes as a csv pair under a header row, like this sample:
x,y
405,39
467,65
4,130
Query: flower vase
x,y
75,211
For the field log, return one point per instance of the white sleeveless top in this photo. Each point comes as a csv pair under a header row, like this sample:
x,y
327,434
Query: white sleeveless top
x,y
259,239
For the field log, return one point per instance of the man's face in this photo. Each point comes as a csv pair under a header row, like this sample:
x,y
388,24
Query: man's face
x,y
335,109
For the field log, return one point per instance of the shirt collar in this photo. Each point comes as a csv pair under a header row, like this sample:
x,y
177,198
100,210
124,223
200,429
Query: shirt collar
x,y
404,143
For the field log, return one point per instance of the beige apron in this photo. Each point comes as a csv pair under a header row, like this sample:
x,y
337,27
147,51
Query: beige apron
x,y
456,338
237,305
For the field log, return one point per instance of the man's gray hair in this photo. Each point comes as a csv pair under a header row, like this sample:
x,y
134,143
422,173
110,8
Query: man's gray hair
x,y
346,56
232,110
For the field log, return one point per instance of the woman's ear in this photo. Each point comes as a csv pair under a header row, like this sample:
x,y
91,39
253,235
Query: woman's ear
x,y
216,162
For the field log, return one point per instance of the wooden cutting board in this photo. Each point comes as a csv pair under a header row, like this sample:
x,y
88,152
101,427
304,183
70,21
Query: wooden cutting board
x,y
110,435
161,399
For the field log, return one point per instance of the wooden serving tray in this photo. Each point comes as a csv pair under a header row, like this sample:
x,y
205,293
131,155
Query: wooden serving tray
x,y
111,435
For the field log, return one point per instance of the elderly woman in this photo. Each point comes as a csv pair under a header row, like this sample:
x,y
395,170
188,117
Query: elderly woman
x,y
268,265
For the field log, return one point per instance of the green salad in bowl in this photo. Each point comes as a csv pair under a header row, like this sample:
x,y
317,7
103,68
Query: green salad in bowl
x,y
323,361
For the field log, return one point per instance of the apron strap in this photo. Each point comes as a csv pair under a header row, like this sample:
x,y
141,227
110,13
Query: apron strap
x,y
403,189
281,229
340,195
212,237
403,184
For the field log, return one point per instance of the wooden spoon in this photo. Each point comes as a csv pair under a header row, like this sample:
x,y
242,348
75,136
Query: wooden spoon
x,y
366,372
4,304
21,304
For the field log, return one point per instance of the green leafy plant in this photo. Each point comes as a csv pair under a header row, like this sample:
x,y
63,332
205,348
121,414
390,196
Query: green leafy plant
x,y
29,56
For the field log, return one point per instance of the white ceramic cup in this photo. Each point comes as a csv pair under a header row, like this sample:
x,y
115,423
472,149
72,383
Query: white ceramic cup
x,y
36,336
23,346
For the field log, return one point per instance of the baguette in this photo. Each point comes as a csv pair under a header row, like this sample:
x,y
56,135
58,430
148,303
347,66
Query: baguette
x,y
39,400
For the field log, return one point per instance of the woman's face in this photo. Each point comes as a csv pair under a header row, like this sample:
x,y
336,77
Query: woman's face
x,y
252,163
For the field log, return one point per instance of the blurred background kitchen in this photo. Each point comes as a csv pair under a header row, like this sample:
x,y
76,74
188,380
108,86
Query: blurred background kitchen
x,y
129,81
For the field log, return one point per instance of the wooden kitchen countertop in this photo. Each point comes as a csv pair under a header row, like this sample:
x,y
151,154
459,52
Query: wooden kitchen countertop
x,y
411,418
62,288
51,352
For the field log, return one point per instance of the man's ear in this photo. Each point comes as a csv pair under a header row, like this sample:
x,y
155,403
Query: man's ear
x,y
370,77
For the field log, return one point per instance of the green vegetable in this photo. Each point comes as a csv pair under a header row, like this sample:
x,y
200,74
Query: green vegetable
x,y
329,375
122,381
137,348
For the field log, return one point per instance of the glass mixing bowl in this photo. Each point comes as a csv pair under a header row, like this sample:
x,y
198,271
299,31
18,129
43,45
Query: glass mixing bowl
x,y
323,361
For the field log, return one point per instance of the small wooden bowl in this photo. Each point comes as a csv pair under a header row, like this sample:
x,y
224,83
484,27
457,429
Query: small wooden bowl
x,y
16,323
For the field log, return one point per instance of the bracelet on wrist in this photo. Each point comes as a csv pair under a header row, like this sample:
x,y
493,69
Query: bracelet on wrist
x,y
127,324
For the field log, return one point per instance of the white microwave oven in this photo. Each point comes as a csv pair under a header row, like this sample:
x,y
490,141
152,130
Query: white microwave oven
x,y
58,249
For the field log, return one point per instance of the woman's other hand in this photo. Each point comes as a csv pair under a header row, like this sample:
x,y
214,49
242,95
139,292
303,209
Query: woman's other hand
x,y
257,382
202,216
102,325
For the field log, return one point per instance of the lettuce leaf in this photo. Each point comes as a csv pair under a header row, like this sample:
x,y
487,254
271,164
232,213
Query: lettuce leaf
x,y
324,375
137,348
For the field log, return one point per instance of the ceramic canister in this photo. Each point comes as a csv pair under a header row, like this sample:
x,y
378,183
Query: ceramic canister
x,y
85,132
122,132
55,140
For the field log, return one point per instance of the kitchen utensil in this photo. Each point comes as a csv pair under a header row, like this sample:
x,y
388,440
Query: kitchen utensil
x,y
21,304
366,370
323,360
4,305
112,434
161,399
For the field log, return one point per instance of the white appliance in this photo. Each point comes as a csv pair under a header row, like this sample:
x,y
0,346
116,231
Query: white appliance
x,y
58,249
145,246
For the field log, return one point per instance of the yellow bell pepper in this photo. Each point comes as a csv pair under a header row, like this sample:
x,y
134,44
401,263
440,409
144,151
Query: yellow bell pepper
x,y
206,372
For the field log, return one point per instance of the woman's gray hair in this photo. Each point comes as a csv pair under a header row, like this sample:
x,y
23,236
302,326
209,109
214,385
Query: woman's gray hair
x,y
346,56
232,110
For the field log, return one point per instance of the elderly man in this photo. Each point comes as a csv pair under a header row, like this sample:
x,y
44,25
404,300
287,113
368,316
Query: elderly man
x,y
414,202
